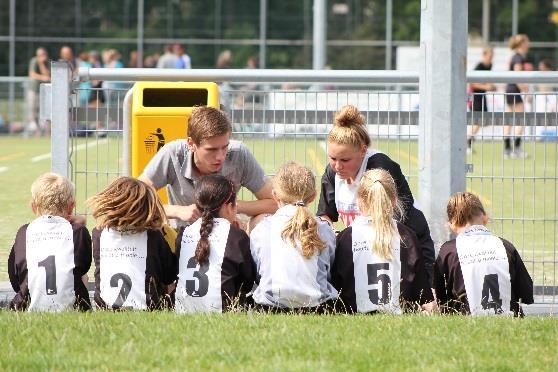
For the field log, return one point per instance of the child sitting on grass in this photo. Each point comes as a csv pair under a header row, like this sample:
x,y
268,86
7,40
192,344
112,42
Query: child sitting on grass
x,y
479,273
216,267
293,249
378,262
133,262
50,255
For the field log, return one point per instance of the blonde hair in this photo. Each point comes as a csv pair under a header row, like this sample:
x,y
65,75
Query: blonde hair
x,y
464,207
52,194
295,184
377,200
206,122
128,205
349,128
516,41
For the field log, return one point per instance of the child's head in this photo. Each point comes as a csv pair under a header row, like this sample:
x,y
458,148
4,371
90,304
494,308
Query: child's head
x,y
52,194
128,205
377,200
215,197
295,184
465,208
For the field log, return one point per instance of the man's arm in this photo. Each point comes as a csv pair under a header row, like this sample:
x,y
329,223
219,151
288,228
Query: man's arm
x,y
188,213
264,204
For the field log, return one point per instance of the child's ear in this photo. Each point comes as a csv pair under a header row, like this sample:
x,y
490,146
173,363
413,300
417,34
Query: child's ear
x,y
33,207
485,219
71,206
274,196
452,227
190,142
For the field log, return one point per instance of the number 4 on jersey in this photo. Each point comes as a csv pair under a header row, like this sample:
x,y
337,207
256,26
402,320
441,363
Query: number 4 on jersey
x,y
491,290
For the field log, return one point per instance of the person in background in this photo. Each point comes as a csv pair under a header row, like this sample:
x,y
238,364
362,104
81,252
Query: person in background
x,y
168,59
133,61
67,54
519,44
84,86
38,72
479,96
183,60
545,102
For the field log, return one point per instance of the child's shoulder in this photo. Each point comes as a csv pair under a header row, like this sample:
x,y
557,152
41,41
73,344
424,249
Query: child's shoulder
x,y
448,248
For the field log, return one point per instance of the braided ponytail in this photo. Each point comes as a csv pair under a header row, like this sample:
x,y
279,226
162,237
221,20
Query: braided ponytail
x,y
212,192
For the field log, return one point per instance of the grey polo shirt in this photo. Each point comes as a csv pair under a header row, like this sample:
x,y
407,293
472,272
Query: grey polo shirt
x,y
172,167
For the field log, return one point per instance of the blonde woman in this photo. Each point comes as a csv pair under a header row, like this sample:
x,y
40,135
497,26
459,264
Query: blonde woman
x,y
292,249
378,263
479,273
133,261
349,157
519,44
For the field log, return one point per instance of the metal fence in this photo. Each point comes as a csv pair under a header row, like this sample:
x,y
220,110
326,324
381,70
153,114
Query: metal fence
x,y
281,123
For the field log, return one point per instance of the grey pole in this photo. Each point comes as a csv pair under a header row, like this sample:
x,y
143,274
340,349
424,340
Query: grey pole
x,y
263,32
320,35
140,33
60,80
514,17
442,114
486,21
11,93
389,37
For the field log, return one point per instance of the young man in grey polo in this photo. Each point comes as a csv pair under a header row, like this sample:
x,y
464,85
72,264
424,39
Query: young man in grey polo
x,y
208,149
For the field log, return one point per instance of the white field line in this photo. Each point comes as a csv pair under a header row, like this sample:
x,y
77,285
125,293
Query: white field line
x,y
77,148
3,169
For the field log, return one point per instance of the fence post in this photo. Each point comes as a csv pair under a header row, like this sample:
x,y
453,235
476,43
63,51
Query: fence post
x,y
442,116
60,125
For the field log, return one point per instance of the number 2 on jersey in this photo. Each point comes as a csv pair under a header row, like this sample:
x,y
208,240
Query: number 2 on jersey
x,y
124,290
374,278
49,264
203,280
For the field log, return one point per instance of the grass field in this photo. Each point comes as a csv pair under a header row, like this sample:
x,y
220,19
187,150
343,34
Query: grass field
x,y
520,195
165,341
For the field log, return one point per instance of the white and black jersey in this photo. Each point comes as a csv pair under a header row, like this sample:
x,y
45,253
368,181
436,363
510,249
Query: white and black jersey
x,y
221,283
481,274
338,201
46,264
132,269
369,283
287,279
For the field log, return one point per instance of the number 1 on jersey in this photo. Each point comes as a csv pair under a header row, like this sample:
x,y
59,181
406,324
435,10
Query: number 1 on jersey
x,y
49,264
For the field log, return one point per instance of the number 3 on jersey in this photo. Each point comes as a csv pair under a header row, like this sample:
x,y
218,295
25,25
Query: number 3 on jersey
x,y
201,281
374,278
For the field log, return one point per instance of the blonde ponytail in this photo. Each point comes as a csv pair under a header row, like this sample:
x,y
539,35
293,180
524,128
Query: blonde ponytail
x,y
295,184
377,200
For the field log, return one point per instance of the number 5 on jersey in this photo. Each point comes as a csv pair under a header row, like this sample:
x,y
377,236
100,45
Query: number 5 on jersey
x,y
381,281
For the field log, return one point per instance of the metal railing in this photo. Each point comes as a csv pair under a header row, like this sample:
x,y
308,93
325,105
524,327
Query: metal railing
x,y
291,122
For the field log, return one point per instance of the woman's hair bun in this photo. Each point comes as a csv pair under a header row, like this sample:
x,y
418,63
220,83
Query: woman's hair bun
x,y
347,116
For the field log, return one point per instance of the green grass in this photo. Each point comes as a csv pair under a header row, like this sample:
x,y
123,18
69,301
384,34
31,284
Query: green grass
x,y
165,341
520,195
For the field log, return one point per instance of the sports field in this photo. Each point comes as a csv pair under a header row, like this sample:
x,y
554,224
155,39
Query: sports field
x,y
521,195
165,341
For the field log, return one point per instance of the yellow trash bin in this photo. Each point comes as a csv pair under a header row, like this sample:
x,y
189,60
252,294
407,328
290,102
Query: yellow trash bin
x,y
160,113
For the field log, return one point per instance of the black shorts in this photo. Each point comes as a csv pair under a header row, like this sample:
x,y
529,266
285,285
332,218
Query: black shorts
x,y
513,99
513,95
479,102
